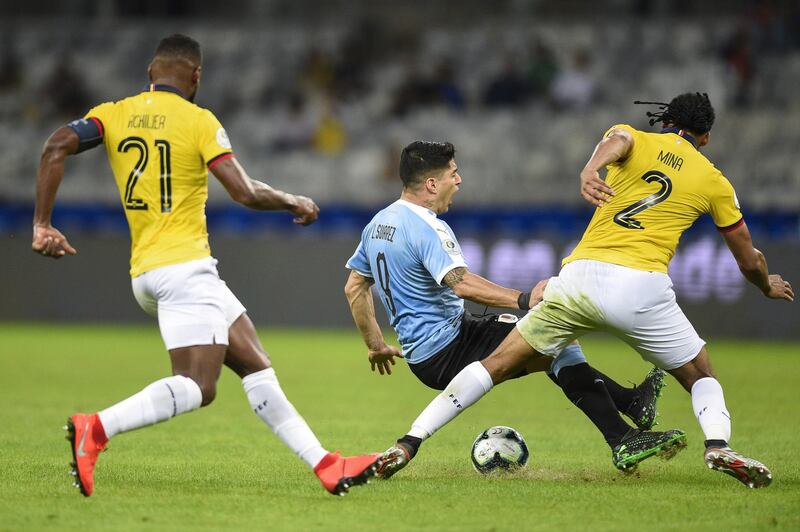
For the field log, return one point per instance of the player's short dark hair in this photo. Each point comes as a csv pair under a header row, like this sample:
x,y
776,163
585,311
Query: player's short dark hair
x,y
180,47
691,111
421,157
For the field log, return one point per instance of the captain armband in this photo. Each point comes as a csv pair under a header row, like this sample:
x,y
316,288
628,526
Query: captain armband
x,y
90,132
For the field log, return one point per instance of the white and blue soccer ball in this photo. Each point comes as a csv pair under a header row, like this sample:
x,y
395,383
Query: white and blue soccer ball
x,y
499,449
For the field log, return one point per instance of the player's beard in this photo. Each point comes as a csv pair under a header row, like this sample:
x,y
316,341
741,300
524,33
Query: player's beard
x,y
194,93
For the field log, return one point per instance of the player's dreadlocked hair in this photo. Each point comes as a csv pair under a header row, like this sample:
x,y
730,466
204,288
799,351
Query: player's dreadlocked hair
x,y
691,111
420,157
179,46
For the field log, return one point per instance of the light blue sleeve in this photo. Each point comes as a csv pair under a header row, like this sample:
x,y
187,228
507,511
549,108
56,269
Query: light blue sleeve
x,y
359,261
439,251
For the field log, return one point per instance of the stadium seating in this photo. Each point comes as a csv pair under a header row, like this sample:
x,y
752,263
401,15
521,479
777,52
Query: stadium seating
x,y
526,155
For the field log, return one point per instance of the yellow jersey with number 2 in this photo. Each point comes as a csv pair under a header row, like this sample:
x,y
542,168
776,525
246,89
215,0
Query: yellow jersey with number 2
x,y
161,147
661,188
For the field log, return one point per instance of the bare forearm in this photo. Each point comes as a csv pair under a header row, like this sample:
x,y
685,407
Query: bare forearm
x,y
477,289
266,198
63,142
51,171
362,308
757,272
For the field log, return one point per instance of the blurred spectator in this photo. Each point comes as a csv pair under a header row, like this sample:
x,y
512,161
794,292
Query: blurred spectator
x,y
65,91
419,90
10,66
508,89
330,137
357,53
542,70
446,85
296,126
768,29
738,54
575,87
317,70
415,91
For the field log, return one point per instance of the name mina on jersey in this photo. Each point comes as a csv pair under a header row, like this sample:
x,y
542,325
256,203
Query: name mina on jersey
x,y
661,188
160,147
407,250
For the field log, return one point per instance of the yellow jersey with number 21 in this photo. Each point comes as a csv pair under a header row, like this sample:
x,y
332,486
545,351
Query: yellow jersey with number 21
x,y
161,147
661,188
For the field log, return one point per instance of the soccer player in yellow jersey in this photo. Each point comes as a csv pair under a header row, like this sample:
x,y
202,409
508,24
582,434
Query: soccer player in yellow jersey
x,y
161,147
616,279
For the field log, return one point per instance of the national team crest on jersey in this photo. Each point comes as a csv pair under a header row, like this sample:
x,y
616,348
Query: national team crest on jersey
x,y
222,139
451,247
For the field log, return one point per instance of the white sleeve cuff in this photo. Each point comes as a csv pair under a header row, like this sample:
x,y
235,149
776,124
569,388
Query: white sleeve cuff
x,y
449,268
359,272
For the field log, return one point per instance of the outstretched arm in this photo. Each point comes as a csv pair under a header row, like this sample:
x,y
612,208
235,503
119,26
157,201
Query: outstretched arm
x,y
616,146
260,196
359,297
468,285
753,265
47,240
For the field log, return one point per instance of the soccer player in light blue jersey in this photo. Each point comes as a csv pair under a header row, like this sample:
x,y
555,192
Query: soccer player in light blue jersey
x,y
414,258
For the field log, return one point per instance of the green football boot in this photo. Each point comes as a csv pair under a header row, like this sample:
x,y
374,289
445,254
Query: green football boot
x,y
644,444
643,409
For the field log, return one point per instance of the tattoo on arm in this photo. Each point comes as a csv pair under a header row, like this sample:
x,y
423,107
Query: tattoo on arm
x,y
454,276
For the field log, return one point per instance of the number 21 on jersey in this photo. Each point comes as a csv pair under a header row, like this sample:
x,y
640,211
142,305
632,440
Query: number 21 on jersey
x,y
165,180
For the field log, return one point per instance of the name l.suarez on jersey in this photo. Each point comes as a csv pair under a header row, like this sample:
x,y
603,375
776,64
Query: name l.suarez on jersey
x,y
384,232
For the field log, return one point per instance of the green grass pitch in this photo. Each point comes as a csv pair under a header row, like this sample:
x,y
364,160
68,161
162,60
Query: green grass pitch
x,y
221,468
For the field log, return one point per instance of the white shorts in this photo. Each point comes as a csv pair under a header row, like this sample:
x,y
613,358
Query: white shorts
x,y
193,305
637,306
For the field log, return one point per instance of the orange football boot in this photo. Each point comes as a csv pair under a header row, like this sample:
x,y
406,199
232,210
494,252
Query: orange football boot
x,y
87,439
338,474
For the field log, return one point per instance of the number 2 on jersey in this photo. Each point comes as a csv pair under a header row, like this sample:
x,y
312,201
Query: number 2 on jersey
x,y
383,279
138,143
625,217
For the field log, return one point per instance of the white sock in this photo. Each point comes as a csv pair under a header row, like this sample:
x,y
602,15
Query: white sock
x,y
471,383
271,405
159,401
709,408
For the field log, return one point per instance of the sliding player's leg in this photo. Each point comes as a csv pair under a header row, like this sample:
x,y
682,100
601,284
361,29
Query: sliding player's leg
x,y
246,357
515,357
708,401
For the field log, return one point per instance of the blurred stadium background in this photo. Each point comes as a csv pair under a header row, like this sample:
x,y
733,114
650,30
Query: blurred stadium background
x,y
319,97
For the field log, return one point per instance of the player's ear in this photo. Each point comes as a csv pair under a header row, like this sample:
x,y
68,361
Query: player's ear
x,y
196,74
431,184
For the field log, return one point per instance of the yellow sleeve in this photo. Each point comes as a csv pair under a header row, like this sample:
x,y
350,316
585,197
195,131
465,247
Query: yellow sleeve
x,y
633,131
725,206
213,141
101,112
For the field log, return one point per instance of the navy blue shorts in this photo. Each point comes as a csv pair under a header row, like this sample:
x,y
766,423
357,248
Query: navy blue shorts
x,y
478,337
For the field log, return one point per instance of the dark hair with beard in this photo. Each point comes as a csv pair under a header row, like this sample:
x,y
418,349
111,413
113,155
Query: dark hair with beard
x,y
421,157
691,111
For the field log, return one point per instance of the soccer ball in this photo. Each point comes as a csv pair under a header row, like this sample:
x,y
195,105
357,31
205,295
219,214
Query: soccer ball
x,y
499,448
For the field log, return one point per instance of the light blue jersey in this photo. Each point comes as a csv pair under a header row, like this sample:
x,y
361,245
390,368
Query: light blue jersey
x,y
407,250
